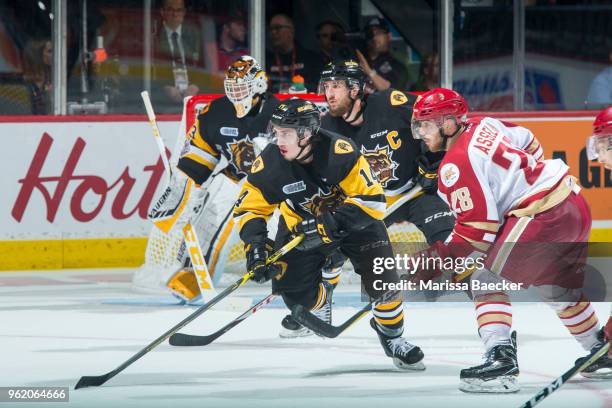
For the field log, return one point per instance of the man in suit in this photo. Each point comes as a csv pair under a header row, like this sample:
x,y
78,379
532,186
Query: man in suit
x,y
176,52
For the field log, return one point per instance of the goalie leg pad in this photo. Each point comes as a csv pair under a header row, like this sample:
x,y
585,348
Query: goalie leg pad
x,y
184,285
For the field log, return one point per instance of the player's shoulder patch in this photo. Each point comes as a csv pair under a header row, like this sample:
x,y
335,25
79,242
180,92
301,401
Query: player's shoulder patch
x,y
449,174
258,165
397,98
343,147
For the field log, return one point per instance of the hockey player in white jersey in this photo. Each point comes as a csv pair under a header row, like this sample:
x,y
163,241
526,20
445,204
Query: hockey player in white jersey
x,y
524,213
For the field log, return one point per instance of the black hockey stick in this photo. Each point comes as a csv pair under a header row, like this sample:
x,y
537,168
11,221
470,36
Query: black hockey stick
x,y
181,339
557,383
304,317
97,380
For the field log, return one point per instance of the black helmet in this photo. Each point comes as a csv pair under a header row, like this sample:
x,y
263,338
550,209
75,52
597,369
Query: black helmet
x,y
347,70
296,113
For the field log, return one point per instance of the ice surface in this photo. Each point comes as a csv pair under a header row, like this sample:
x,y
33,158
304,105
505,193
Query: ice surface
x,y
59,325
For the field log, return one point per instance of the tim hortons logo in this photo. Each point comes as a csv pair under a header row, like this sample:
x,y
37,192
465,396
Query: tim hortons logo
x,y
87,184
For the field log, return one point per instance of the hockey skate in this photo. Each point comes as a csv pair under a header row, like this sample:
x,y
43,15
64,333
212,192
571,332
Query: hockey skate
x,y
498,374
292,329
600,369
406,356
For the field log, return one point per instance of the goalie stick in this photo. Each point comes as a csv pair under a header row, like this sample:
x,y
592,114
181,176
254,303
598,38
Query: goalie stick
x,y
97,380
194,249
557,383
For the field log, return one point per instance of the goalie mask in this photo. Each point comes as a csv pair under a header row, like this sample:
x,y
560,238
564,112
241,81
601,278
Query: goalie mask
x,y
244,80
292,127
599,145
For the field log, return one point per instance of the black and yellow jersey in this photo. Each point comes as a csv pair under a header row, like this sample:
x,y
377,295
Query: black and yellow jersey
x,y
217,131
338,179
385,139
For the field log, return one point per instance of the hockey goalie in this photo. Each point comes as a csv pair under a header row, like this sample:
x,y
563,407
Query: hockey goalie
x,y
212,159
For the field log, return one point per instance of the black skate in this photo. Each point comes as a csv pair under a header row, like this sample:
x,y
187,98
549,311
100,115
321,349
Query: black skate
x,y
406,356
498,374
601,368
292,329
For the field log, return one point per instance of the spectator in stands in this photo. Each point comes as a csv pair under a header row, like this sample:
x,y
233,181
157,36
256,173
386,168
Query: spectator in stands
x,y
231,41
37,63
600,91
177,52
286,58
332,41
429,75
383,69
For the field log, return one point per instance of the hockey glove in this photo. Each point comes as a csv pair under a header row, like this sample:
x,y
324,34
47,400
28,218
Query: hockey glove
x,y
428,173
256,255
318,231
173,208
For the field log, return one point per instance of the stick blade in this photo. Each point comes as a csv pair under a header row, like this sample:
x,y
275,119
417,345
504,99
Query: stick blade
x,y
91,381
188,340
305,318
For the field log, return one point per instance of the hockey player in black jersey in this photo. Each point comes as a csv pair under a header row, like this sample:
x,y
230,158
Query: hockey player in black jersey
x,y
226,128
324,189
380,125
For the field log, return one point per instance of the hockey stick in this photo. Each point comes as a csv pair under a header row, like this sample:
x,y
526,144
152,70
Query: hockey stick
x,y
557,383
97,380
304,317
160,143
191,238
181,339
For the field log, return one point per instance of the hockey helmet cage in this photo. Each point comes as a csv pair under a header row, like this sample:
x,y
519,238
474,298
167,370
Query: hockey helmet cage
x,y
244,79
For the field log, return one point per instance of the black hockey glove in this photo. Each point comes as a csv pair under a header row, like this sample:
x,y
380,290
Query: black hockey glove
x,y
318,231
428,173
256,255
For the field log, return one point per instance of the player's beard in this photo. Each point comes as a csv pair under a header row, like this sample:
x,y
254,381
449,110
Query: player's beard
x,y
342,107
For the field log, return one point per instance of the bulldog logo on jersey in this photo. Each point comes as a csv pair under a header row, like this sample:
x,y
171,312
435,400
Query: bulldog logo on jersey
x,y
242,154
381,163
324,201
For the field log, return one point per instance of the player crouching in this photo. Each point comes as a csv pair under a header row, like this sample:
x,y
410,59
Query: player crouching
x,y
325,190
525,214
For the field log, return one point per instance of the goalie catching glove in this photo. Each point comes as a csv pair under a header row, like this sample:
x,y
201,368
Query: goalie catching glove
x,y
256,255
318,231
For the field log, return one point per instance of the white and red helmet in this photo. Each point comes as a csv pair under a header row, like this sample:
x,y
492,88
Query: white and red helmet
x,y
437,105
244,79
601,139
